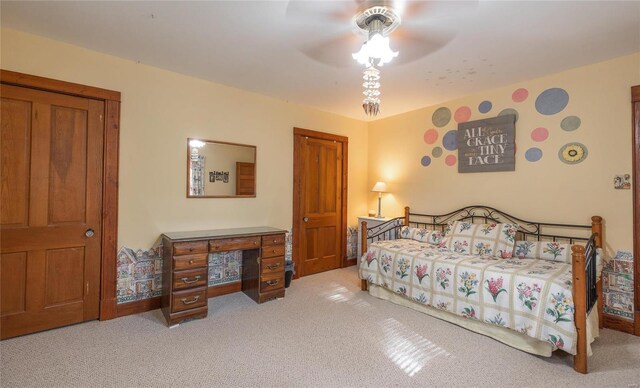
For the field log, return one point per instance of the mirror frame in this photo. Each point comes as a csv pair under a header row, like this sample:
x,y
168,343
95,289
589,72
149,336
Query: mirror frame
x,y
255,166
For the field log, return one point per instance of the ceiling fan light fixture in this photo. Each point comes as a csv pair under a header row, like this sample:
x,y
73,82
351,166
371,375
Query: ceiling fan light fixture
x,y
377,22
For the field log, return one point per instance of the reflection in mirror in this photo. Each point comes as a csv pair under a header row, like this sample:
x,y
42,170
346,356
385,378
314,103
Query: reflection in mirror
x,y
219,169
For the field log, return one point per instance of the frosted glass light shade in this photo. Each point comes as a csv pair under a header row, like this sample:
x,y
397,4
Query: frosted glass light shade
x,y
379,187
377,47
196,143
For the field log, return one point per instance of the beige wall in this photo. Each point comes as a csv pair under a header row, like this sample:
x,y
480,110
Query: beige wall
x,y
547,190
160,109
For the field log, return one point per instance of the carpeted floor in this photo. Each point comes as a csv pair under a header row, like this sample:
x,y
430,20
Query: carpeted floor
x,y
326,332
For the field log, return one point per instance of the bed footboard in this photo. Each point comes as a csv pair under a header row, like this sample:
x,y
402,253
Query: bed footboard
x,y
385,231
585,290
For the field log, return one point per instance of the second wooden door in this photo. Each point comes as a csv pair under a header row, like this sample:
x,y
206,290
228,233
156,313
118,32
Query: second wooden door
x,y
320,204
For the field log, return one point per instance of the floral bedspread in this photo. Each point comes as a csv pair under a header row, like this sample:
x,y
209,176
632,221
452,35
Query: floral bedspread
x,y
530,296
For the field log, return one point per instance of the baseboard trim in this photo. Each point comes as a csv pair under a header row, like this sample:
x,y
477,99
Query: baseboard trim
x,y
351,262
224,289
619,324
139,306
143,305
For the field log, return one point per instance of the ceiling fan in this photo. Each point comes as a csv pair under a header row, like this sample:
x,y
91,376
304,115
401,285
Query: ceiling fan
x,y
343,26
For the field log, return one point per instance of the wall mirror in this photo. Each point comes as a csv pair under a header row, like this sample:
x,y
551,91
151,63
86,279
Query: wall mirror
x,y
217,169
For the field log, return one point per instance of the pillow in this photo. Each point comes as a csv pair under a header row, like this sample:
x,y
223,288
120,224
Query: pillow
x,y
433,237
481,239
546,250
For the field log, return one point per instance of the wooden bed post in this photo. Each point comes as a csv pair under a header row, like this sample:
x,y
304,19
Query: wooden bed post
x,y
406,216
596,227
363,244
580,307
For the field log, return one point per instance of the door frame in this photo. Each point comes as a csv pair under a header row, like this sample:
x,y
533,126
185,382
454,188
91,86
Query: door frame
x,y
635,108
111,145
298,133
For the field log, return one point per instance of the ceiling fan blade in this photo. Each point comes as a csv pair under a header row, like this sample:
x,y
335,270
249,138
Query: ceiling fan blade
x,y
412,46
321,12
422,12
334,52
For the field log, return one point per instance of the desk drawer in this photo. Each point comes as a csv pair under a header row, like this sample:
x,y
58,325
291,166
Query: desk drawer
x,y
272,282
190,261
273,251
271,265
276,239
190,299
188,248
190,278
231,244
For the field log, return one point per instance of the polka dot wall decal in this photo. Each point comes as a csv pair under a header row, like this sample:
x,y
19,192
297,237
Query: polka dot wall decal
x,y
441,117
437,152
533,154
450,160
509,111
573,153
552,101
425,161
570,123
520,95
485,106
462,115
539,134
449,140
430,136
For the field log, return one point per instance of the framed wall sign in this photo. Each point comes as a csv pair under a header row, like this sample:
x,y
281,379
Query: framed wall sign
x,y
487,145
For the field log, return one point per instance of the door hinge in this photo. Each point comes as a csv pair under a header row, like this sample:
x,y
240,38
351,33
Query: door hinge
x,y
100,117
87,288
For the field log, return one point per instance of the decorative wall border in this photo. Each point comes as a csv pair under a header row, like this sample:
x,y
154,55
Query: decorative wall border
x,y
139,272
618,285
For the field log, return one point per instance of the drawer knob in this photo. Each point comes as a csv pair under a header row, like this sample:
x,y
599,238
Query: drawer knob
x,y
217,247
255,243
187,281
273,266
273,282
275,241
194,300
191,261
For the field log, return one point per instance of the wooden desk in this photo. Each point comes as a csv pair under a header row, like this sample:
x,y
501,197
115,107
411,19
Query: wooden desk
x,y
185,275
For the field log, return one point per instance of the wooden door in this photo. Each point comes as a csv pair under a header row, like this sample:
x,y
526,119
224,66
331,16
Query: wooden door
x,y
245,178
51,197
635,100
320,203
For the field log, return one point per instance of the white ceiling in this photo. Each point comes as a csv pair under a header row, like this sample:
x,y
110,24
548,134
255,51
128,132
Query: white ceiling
x,y
260,45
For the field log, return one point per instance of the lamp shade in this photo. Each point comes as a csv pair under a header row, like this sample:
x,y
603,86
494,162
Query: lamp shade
x,y
380,187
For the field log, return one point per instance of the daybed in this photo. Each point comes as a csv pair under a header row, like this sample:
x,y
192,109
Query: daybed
x,y
526,284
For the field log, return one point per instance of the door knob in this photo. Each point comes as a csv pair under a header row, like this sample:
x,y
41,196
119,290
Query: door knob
x,y
89,233
305,219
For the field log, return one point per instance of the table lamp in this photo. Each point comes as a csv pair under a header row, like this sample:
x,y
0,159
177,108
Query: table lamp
x,y
380,187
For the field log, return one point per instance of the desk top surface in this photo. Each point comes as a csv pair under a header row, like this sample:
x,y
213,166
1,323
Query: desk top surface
x,y
222,233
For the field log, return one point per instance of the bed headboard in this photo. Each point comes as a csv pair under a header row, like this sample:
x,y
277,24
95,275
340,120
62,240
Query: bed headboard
x,y
527,230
